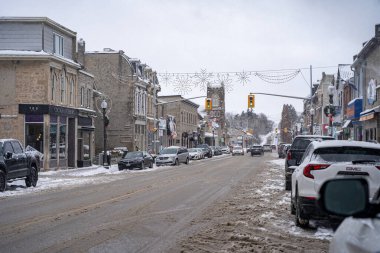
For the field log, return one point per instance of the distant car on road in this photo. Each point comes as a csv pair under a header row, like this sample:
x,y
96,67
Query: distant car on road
x,y
256,150
327,160
237,150
225,149
196,153
206,149
267,148
216,150
173,155
136,159
295,153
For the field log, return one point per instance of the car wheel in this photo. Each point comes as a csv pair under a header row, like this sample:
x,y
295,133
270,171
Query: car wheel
x,y
300,222
187,161
3,181
176,162
292,208
32,178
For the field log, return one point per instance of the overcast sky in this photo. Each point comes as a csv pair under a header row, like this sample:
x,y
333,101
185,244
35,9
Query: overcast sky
x,y
221,36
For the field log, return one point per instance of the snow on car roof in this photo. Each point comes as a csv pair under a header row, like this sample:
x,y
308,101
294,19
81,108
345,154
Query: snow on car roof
x,y
344,143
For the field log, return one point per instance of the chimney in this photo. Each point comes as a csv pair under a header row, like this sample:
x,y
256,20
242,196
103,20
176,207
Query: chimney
x,y
81,50
377,31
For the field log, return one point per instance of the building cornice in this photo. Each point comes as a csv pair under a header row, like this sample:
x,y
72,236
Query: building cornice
x,y
44,20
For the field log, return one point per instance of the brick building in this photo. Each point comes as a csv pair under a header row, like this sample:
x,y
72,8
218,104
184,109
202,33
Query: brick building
x,y
46,100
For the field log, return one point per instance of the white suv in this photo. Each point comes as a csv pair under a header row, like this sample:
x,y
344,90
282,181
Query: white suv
x,y
326,160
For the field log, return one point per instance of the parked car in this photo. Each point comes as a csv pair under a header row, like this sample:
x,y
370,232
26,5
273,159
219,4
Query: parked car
x,y
295,153
327,160
350,197
173,155
17,163
225,149
136,159
284,150
216,150
237,150
267,148
256,150
281,149
206,149
195,153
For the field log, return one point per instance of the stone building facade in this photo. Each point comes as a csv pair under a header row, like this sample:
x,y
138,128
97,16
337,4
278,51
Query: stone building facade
x,y
320,101
40,86
182,121
131,88
215,126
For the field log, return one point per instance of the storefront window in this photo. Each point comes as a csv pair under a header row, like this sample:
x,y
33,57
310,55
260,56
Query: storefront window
x,y
62,138
34,131
53,137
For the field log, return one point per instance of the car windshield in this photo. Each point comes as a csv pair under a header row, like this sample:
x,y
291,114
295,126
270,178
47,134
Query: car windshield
x,y
237,148
134,154
302,143
346,154
168,151
192,150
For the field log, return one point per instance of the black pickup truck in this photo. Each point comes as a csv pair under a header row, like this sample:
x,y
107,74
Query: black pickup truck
x,y
295,153
15,163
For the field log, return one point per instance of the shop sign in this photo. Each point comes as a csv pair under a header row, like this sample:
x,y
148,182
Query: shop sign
x,y
354,108
371,92
367,117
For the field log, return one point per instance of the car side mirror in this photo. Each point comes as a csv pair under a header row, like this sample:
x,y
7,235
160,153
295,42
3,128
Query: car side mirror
x,y
8,155
345,197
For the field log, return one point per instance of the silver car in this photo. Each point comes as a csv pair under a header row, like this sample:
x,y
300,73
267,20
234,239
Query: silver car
x,y
173,155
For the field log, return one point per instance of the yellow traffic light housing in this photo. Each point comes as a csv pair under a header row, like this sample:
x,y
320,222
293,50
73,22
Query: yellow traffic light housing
x,y
251,101
208,104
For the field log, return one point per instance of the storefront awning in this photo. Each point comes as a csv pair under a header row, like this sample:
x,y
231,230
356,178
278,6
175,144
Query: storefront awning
x,y
369,114
347,123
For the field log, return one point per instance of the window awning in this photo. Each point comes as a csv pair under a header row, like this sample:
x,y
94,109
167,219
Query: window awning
x,y
347,123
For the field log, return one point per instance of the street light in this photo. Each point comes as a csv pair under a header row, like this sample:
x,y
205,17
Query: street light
x,y
312,111
330,112
103,105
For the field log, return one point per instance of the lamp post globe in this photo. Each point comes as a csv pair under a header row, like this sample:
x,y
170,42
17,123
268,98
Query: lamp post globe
x,y
104,105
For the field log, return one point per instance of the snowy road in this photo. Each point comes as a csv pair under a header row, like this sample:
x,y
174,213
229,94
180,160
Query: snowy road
x,y
220,204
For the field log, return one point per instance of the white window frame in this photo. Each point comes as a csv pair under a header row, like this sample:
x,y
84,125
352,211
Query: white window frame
x,y
82,96
71,98
57,44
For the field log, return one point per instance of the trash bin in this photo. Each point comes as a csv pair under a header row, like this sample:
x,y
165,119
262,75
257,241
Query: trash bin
x,y
101,158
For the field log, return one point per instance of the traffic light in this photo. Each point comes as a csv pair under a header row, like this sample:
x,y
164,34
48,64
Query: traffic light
x,y
208,105
276,130
251,101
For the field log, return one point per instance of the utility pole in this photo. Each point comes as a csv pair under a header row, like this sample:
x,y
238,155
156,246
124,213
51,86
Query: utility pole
x,y
311,101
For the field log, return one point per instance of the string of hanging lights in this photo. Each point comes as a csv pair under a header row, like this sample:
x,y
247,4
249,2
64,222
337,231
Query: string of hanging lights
x,y
183,83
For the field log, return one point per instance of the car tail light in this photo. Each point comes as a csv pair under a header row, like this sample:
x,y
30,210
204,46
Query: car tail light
x,y
289,154
378,167
310,167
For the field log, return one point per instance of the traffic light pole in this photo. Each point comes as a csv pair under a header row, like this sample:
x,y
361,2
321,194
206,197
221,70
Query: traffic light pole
x,y
277,95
